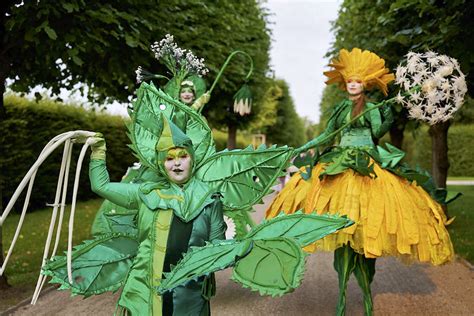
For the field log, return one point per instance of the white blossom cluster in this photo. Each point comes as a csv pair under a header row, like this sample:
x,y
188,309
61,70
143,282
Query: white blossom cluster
x,y
178,60
441,84
139,74
243,106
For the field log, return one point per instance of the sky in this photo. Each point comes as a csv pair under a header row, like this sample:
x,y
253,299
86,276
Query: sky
x,y
301,38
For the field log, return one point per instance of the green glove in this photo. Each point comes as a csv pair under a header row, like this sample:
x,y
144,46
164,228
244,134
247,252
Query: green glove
x,y
97,143
201,101
387,112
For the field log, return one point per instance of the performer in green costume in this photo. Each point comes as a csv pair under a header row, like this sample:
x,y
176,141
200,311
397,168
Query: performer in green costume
x,y
177,214
174,214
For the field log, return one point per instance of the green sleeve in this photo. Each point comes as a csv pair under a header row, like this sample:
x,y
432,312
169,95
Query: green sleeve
x,y
218,226
378,128
123,194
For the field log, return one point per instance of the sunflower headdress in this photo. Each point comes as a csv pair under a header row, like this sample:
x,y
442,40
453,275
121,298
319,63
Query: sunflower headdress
x,y
361,65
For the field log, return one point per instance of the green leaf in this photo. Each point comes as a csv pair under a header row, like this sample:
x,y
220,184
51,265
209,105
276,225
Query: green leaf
x,y
244,176
200,261
131,41
77,60
51,33
69,7
147,124
240,223
303,228
98,265
273,267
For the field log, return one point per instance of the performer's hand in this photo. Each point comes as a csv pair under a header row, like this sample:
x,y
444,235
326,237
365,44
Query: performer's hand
x,y
98,147
387,110
201,101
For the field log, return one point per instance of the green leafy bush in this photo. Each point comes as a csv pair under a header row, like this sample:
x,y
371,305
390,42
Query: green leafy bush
x,y
30,125
460,136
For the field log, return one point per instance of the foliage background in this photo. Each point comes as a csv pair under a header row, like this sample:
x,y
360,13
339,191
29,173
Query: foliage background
x,y
30,125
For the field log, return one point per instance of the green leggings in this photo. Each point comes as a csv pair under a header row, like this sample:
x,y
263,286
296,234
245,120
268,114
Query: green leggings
x,y
346,261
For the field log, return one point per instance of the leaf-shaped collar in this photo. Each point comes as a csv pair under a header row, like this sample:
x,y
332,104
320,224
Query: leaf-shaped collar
x,y
187,202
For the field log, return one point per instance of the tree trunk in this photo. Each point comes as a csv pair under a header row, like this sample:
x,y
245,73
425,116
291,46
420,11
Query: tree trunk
x,y
231,136
439,153
3,279
396,136
439,156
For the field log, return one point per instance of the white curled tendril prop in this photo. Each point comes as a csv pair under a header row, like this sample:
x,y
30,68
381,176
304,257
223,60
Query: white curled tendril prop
x,y
67,139
432,86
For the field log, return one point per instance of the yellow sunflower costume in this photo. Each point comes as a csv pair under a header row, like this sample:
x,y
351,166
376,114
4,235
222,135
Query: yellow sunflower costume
x,y
397,210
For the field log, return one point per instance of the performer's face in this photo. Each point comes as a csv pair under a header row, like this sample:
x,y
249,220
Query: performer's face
x,y
354,86
186,95
178,165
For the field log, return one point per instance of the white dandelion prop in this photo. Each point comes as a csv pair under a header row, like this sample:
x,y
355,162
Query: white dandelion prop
x,y
180,62
432,86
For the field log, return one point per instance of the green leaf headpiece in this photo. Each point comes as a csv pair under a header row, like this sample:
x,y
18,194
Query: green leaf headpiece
x,y
171,137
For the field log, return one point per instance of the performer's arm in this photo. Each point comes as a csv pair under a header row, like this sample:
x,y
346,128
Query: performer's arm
x,y
123,194
218,226
378,127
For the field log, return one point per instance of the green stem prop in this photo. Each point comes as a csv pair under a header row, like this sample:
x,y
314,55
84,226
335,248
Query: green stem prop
x,y
221,71
308,146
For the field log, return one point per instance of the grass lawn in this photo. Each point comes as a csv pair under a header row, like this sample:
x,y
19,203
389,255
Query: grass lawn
x,y
462,229
460,178
25,262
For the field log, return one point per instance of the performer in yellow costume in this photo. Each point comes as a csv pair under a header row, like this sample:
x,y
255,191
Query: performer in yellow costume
x,y
394,206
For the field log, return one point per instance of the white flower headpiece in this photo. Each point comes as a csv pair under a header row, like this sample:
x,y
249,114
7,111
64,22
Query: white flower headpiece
x,y
180,62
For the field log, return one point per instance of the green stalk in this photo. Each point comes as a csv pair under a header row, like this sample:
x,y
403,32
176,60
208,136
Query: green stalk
x,y
224,66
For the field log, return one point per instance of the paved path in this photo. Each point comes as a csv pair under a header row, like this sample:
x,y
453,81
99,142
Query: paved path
x,y
460,182
398,290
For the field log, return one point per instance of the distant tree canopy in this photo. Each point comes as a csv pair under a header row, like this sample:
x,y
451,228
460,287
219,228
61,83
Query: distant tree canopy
x,y
101,43
289,128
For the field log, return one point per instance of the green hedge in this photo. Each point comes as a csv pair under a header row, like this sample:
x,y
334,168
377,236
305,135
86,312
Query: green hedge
x,y
461,150
30,125
220,138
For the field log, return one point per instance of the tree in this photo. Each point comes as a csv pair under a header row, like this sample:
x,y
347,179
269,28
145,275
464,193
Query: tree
x,y
99,44
289,128
392,28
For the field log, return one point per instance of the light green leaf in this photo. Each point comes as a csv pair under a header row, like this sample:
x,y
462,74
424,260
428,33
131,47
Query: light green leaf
x,y
77,60
200,261
303,228
273,267
99,265
131,41
147,124
51,33
244,176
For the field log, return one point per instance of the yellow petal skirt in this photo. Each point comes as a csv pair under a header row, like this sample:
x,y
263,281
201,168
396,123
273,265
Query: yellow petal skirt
x,y
393,217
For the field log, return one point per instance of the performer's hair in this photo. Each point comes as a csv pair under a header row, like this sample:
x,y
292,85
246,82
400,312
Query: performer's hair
x,y
358,105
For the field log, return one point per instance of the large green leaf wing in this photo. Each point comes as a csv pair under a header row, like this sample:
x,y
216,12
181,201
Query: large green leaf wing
x,y
273,267
200,261
244,176
303,228
146,125
98,265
